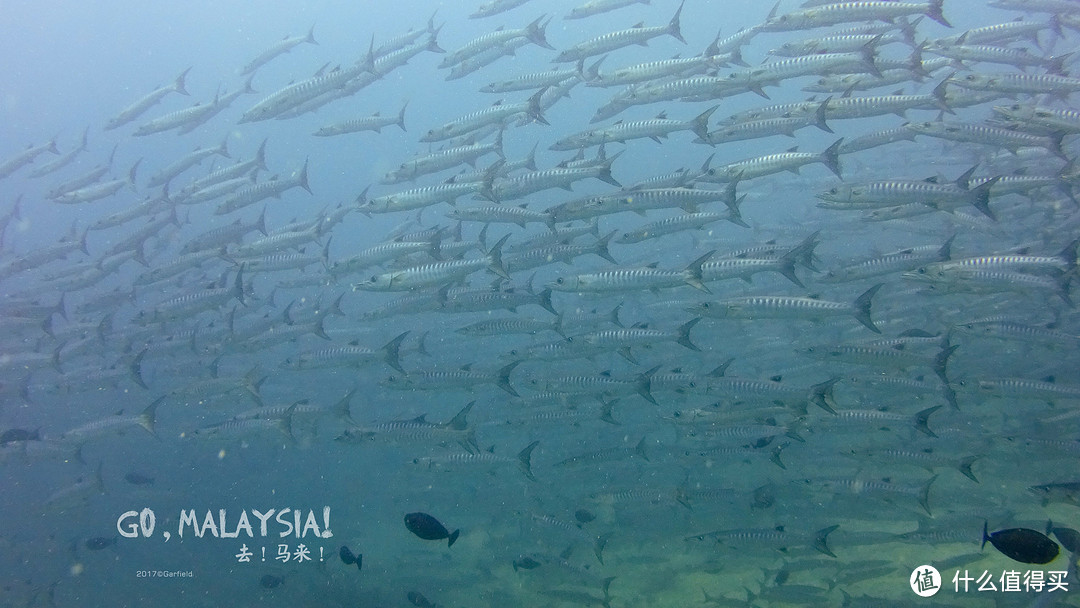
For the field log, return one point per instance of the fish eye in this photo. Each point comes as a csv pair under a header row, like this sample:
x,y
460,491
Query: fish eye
x,y
559,281
391,378
705,305
416,461
834,190
922,271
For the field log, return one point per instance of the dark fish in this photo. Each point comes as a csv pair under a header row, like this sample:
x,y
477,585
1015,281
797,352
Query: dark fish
x,y
1068,537
429,528
584,516
13,435
418,599
270,581
1022,544
138,479
525,563
99,542
350,559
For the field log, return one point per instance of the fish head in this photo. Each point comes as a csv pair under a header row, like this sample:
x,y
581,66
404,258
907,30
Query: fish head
x,y
566,283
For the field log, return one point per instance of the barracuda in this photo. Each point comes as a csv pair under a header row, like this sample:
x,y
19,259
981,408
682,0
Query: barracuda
x,y
653,70
295,94
166,175
1051,119
534,33
768,127
283,46
379,254
536,181
616,40
490,214
273,188
746,268
497,114
679,223
192,304
375,123
898,192
1009,83
549,254
653,129
352,355
136,109
437,274
846,12
958,279
640,201
442,380
443,159
791,161
890,263
986,135
95,192
56,164
785,307
522,460
633,279
538,80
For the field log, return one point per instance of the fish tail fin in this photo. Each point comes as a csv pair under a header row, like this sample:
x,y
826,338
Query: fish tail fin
x,y
821,395
534,109
692,273
821,540
639,450
495,261
830,157
433,43
343,409
734,214
684,334
459,421
525,460
986,536
644,388
179,85
606,412
605,172
536,33
868,52
598,550
673,28
504,378
941,361
922,420
135,368
392,352
545,301
238,285
453,538
862,308
700,125
148,417
980,197
310,38
302,179
964,467
933,10
924,495
401,117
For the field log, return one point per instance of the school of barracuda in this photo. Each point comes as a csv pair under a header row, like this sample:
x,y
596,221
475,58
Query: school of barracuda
x,y
819,354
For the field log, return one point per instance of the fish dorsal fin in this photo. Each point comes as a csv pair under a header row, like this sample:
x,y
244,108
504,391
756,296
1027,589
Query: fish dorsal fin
x,y
776,378
639,24
662,115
